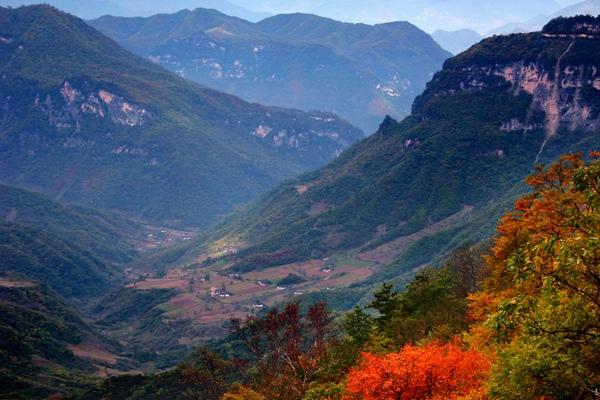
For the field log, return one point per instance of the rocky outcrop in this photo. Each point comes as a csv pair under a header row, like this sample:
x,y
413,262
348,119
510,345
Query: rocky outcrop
x,y
567,93
557,92
302,139
67,108
514,125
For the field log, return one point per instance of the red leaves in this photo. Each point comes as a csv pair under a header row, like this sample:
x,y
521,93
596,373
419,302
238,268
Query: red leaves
x,y
287,347
434,371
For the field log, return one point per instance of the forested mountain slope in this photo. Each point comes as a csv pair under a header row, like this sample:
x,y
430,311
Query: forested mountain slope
x,y
402,198
85,121
46,346
419,186
109,237
362,72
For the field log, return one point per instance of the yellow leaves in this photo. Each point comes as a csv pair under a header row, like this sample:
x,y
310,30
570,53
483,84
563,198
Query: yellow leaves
x,y
538,262
557,215
481,304
239,392
544,289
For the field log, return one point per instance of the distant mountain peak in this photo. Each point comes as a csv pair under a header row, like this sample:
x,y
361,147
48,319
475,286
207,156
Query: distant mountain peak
x,y
361,72
456,41
387,122
135,137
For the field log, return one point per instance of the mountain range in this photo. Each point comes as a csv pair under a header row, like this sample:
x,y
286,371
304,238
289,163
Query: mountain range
x,y
143,215
587,7
456,41
404,196
358,71
137,8
394,202
429,15
85,121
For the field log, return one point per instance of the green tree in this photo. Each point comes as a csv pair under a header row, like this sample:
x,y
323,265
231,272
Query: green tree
x,y
359,326
432,306
385,302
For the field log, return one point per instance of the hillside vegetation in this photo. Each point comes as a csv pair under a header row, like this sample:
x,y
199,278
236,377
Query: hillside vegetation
x,y
416,188
87,122
44,343
521,321
107,236
450,255
362,72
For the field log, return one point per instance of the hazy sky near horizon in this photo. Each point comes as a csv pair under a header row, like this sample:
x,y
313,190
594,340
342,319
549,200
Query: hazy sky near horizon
x,y
429,15
480,15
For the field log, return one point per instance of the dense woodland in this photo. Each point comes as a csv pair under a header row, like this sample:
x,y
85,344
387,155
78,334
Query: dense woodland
x,y
518,318
454,254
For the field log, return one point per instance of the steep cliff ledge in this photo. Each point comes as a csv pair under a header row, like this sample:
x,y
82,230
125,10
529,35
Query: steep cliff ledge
x,y
558,68
581,25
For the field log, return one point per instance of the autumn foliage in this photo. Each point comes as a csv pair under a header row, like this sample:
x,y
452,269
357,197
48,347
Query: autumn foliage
x,y
286,348
526,308
541,305
433,371
538,311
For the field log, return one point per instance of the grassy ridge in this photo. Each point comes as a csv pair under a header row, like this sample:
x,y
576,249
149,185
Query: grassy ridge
x,y
107,236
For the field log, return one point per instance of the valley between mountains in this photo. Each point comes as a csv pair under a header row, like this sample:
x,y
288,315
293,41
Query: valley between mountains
x,y
160,237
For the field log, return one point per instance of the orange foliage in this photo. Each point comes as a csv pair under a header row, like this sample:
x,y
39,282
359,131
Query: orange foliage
x,y
546,213
434,371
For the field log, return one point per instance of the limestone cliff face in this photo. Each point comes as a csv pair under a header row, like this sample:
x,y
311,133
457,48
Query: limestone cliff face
x,y
67,108
558,93
289,137
564,93
559,69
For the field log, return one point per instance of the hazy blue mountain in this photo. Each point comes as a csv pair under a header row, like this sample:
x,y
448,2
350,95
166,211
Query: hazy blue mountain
x,y
83,9
150,7
362,72
85,121
89,9
430,15
456,41
232,9
587,7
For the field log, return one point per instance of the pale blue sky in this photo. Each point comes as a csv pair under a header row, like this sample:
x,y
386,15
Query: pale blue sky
x,y
480,15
